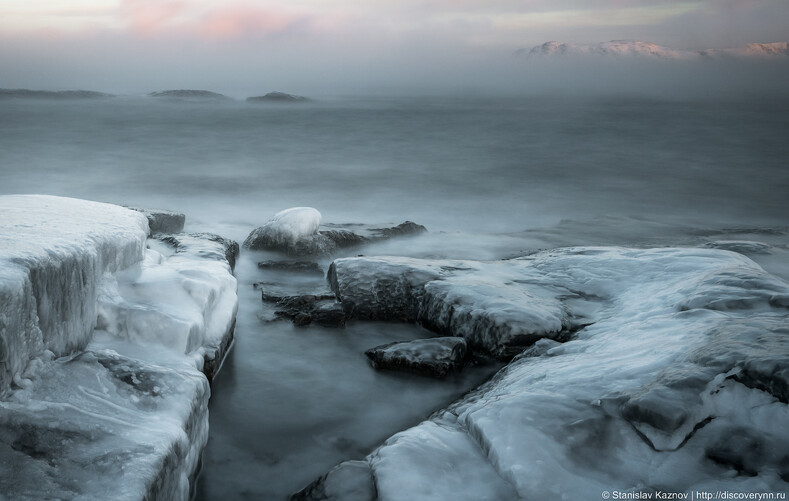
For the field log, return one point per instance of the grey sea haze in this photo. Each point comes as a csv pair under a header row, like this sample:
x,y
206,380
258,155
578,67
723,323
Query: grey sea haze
x,y
490,177
491,164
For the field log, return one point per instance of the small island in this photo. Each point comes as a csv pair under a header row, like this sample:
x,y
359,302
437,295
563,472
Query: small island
x,y
189,94
278,97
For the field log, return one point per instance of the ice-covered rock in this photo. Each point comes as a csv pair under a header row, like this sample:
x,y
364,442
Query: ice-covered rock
x,y
482,302
293,231
108,346
296,232
433,356
675,381
54,253
163,221
104,426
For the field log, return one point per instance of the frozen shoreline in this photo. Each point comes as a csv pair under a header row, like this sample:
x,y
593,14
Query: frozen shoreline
x,y
646,362
105,343
677,380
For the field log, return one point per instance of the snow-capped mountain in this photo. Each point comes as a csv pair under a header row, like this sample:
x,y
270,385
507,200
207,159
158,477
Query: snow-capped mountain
x,y
640,48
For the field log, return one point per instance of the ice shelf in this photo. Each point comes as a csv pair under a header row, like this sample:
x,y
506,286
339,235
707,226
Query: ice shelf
x,y
105,340
654,370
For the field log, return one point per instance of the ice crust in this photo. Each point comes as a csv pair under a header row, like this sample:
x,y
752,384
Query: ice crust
x,y
675,378
110,400
53,254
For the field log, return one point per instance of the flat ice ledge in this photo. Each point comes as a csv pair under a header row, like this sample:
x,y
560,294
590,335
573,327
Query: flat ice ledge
x,y
677,379
53,254
124,414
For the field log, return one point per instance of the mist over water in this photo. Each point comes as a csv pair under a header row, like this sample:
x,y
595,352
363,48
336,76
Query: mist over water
x,y
477,164
490,177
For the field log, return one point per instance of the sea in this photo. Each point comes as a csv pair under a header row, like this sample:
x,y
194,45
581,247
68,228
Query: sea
x,y
490,177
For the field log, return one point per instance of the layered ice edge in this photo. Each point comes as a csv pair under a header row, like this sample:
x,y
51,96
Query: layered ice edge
x,y
636,371
104,340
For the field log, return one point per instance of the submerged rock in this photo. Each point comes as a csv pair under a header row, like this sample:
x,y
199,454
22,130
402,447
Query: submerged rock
x,y
303,310
162,221
435,356
310,267
277,97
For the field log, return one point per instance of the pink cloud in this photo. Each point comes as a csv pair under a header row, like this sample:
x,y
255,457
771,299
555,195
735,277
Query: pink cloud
x,y
242,21
148,17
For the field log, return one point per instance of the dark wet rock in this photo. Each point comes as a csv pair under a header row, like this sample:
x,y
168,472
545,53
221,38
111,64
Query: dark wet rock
x,y
770,374
739,449
277,97
162,221
329,315
435,356
402,229
321,309
345,238
310,267
190,94
312,245
46,94
204,245
348,481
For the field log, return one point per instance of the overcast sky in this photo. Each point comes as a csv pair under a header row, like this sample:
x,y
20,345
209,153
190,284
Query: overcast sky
x,y
243,46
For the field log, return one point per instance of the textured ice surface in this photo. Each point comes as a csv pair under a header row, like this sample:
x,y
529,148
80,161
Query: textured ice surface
x,y
53,254
675,380
119,412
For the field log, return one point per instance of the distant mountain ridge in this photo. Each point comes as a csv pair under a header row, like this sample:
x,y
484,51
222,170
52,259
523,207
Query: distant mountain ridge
x,y
640,48
47,94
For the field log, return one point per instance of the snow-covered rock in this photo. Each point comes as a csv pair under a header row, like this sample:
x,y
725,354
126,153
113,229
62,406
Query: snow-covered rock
x,y
54,253
110,344
433,356
292,231
676,381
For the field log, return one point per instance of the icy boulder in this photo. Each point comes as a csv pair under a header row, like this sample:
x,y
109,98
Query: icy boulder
x,y
163,221
53,254
674,378
432,356
292,231
482,302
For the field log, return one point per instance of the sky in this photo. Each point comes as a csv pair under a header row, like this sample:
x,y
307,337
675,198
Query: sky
x,y
239,46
